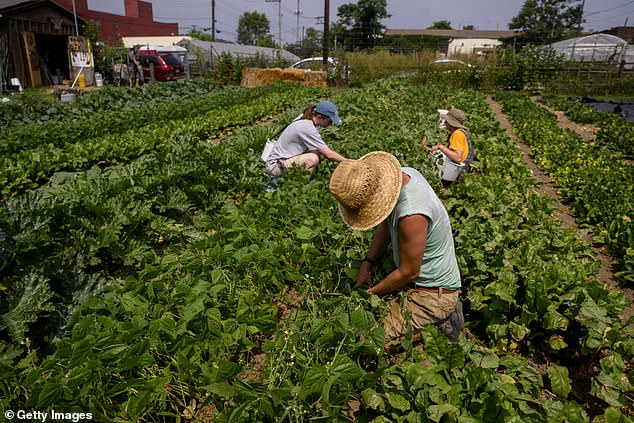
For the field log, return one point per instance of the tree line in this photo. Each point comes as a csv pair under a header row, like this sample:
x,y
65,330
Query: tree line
x,y
359,26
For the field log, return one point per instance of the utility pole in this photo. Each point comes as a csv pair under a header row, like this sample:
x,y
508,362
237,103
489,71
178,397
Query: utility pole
x,y
325,41
298,12
279,23
279,20
213,20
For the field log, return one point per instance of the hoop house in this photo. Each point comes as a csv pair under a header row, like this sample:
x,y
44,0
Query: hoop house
x,y
594,48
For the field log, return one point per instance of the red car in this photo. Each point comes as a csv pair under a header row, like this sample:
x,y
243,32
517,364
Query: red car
x,y
167,67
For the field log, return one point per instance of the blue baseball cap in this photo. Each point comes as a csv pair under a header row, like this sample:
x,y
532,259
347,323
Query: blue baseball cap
x,y
328,109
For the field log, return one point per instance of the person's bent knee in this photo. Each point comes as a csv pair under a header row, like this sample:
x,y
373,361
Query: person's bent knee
x,y
311,160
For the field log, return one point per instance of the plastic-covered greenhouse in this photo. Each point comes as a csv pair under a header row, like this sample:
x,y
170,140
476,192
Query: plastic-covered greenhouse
x,y
595,48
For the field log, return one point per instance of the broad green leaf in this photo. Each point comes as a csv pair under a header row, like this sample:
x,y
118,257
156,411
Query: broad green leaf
x,y
304,233
214,321
313,382
221,389
437,412
557,342
373,400
81,351
554,320
518,332
50,394
397,401
558,376
361,320
614,415
192,310
344,370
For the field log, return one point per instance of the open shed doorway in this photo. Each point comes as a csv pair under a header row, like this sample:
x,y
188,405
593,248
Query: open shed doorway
x,y
53,57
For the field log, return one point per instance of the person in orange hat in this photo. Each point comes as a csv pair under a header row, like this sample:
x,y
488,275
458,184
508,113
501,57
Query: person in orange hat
x,y
458,147
376,191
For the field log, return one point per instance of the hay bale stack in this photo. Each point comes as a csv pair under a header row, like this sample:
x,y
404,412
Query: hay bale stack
x,y
257,77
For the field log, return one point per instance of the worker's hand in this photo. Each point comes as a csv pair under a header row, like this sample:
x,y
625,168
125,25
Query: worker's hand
x,y
364,277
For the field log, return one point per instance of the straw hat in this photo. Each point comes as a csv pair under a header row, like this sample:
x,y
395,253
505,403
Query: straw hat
x,y
455,118
367,189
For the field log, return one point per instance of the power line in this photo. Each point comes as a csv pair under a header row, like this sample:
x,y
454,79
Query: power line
x,y
607,10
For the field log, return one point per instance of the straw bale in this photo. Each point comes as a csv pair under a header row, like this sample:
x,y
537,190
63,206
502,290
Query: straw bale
x,y
257,77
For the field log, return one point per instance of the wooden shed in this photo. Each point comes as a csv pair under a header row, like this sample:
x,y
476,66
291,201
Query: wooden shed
x,y
34,42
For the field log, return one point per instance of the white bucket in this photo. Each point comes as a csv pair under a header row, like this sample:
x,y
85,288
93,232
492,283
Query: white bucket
x,y
448,170
441,120
98,80
16,83
68,98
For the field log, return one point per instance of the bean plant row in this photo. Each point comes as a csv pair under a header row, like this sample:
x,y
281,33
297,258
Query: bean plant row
x,y
173,286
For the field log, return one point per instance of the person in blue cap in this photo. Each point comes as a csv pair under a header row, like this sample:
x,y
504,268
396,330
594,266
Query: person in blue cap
x,y
300,143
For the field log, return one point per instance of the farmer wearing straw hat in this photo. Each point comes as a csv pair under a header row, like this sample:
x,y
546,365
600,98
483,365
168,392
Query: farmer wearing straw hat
x,y
376,190
300,143
458,147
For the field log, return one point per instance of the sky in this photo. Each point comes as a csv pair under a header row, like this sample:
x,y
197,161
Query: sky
x,y
406,14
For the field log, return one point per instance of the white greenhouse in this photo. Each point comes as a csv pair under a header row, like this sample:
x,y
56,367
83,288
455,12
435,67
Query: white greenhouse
x,y
596,48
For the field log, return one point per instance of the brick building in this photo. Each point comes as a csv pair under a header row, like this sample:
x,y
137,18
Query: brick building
x,y
138,20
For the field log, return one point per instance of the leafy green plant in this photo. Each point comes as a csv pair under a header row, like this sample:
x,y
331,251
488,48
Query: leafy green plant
x,y
193,294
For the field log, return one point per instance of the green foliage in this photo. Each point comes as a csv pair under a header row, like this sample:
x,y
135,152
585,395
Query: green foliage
x,y
359,25
441,25
194,294
615,132
199,35
228,69
548,21
252,27
527,69
598,185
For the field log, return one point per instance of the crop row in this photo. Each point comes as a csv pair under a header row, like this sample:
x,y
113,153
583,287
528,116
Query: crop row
x,y
614,131
70,129
198,292
598,183
27,110
60,239
205,117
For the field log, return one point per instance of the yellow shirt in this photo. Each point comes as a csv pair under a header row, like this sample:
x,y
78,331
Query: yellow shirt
x,y
458,141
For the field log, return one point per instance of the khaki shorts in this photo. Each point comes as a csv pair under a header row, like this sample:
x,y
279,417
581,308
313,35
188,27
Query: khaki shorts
x,y
279,167
425,308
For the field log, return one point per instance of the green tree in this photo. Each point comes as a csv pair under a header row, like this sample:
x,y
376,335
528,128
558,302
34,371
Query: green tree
x,y
267,41
312,41
252,27
547,21
359,24
441,25
199,35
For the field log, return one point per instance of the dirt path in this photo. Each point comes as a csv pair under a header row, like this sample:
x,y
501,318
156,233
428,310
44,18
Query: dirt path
x,y
547,187
587,132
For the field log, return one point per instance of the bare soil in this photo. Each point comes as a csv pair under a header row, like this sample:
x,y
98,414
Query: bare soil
x,y
547,187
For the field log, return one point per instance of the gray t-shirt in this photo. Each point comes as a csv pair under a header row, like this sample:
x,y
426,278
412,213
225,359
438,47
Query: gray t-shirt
x,y
439,267
300,137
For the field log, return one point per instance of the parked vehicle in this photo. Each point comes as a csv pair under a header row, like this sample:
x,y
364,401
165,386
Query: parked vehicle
x,y
164,66
316,63
450,65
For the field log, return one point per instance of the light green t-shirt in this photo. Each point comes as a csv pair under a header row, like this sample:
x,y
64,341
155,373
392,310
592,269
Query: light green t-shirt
x,y
439,267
